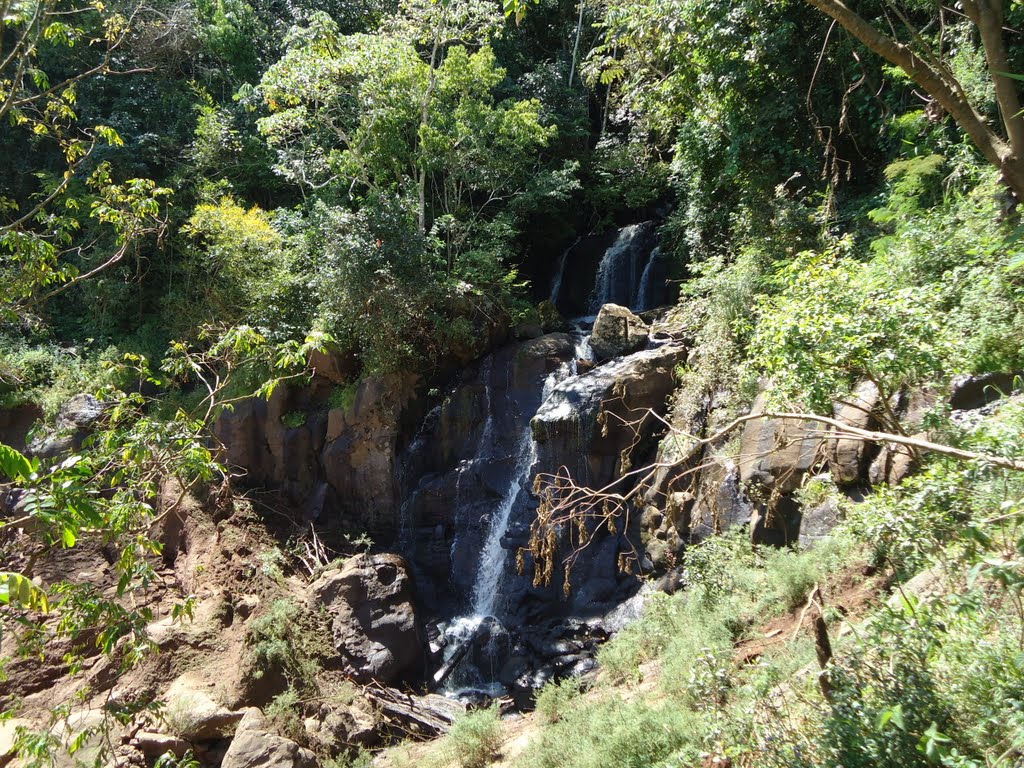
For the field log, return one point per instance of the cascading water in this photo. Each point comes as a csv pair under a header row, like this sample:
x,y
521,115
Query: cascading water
x,y
620,273
485,597
645,292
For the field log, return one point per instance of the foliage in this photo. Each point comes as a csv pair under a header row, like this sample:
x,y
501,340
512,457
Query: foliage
x,y
279,645
476,737
839,322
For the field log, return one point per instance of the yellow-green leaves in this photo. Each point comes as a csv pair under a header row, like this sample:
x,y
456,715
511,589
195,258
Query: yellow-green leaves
x,y
15,589
15,465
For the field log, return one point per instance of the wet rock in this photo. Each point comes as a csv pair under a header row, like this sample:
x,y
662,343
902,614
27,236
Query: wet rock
x,y
617,331
594,423
374,621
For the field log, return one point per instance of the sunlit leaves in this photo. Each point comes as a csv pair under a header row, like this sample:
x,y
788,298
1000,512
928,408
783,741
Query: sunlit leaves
x,y
15,589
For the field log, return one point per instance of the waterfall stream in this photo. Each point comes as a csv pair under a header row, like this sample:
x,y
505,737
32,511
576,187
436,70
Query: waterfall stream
x,y
468,506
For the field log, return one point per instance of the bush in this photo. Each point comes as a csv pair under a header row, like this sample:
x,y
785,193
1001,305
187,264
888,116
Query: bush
x,y
555,699
279,644
476,738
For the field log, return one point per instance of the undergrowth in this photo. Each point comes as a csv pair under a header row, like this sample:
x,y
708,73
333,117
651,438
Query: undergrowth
x,y
932,677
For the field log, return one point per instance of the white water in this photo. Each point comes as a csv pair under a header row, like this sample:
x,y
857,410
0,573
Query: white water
x,y
615,274
643,294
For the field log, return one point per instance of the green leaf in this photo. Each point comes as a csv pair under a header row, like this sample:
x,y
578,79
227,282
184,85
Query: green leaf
x,y
14,465
15,589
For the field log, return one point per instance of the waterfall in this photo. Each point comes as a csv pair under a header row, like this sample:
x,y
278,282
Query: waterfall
x,y
620,273
485,595
556,282
645,293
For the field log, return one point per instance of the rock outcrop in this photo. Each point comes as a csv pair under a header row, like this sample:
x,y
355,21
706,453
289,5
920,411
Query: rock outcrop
x,y
617,331
599,423
254,746
374,624
76,420
326,447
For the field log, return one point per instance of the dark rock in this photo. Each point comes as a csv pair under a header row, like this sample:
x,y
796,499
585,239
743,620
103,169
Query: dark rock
x,y
374,622
16,422
617,332
590,420
970,392
721,503
528,331
334,365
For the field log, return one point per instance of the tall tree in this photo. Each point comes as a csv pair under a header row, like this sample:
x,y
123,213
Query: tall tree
x,y
1002,145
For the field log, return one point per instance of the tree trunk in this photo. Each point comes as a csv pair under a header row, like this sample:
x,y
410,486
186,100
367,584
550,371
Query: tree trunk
x,y
1004,153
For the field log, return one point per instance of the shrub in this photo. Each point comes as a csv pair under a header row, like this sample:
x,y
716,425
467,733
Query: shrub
x,y
476,738
555,699
284,713
278,643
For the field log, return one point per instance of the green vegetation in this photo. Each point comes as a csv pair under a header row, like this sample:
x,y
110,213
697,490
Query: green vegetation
x,y
225,187
473,741
907,684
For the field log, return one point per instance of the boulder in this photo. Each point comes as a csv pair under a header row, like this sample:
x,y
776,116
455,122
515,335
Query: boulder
x,y
817,522
77,419
849,459
895,462
156,744
595,424
334,365
777,453
374,624
192,712
261,749
970,392
617,332
16,422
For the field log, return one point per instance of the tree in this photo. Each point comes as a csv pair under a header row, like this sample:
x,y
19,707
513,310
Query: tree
x,y
367,112
39,231
924,62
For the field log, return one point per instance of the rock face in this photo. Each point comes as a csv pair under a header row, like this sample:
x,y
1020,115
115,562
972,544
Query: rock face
x,y
374,620
466,459
76,420
325,446
849,459
775,453
596,423
617,331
